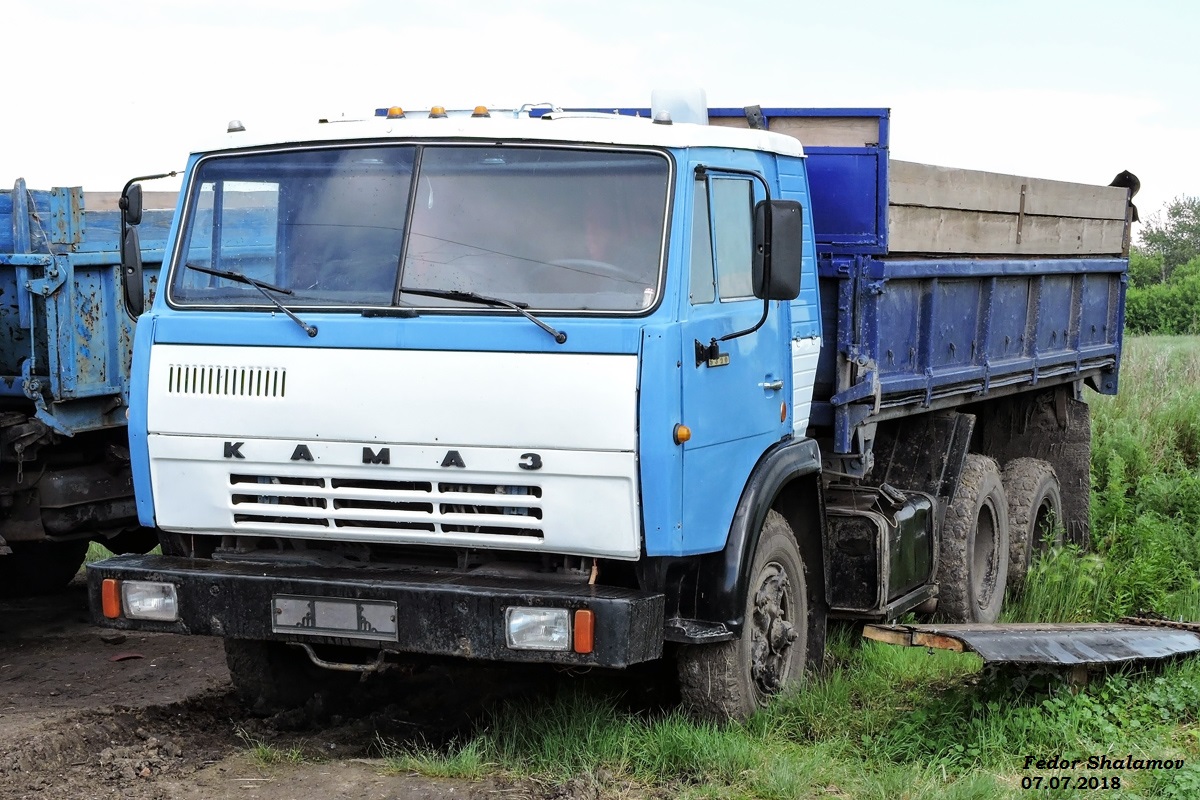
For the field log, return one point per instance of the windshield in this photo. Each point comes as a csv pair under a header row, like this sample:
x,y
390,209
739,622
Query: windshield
x,y
550,228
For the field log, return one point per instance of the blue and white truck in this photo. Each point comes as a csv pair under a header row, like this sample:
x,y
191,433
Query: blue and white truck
x,y
65,345
595,389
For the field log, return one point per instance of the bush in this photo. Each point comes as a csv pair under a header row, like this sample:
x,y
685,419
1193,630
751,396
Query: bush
x,y
1170,308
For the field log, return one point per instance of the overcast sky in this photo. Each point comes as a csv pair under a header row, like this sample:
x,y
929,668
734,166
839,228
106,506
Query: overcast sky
x,y
99,92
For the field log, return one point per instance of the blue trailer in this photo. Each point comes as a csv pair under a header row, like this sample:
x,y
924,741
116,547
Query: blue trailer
x,y
65,346
571,387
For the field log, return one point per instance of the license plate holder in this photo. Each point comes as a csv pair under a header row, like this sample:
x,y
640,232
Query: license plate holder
x,y
374,620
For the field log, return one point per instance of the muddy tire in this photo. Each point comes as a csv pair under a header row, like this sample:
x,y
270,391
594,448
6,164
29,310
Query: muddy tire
x,y
1035,513
973,563
40,567
273,676
732,680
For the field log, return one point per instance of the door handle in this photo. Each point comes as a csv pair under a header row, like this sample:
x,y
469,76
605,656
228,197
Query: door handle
x,y
772,386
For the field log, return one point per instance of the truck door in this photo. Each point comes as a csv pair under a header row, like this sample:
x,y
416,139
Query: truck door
x,y
730,403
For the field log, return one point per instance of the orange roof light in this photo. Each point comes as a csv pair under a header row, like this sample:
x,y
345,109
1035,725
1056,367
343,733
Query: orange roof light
x,y
481,111
437,112
395,112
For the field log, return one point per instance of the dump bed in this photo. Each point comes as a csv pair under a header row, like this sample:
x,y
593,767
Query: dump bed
x,y
65,336
944,286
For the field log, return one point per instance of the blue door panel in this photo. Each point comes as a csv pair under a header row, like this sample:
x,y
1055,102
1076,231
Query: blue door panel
x,y
732,405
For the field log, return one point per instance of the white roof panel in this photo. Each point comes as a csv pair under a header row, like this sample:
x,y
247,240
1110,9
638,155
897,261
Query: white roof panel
x,y
565,128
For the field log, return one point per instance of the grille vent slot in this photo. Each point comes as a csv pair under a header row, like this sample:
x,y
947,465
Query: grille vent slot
x,y
430,506
210,379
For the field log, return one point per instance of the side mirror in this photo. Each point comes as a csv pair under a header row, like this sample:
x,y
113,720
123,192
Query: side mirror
x,y
131,272
778,249
131,204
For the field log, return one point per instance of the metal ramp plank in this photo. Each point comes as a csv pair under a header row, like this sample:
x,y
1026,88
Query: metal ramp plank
x,y
1074,644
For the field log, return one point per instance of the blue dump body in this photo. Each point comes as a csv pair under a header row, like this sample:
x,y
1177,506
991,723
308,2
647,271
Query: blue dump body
x,y
65,337
914,333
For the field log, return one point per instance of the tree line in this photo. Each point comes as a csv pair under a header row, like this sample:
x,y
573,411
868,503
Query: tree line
x,y
1164,272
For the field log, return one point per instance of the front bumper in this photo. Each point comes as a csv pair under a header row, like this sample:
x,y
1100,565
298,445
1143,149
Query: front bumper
x,y
438,614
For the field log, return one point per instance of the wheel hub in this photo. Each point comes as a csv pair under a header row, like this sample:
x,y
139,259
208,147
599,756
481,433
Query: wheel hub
x,y
773,629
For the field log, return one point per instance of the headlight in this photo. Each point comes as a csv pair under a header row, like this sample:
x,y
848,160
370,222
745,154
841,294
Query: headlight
x,y
537,628
150,600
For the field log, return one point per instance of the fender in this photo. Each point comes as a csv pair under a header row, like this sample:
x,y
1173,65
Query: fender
x,y
723,577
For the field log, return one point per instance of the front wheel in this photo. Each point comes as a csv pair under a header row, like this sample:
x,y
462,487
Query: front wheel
x,y
734,679
275,676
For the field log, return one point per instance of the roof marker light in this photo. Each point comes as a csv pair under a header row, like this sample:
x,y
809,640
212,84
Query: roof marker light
x,y
395,112
480,111
235,126
437,112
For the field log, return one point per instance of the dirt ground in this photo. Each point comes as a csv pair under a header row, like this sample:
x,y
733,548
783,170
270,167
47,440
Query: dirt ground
x,y
87,712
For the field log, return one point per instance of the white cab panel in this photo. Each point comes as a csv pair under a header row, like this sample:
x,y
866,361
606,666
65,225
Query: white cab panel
x,y
450,398
804,374
291,442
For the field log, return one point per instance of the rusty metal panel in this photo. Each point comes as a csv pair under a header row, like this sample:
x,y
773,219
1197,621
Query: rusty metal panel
x,y
1040,643
67,338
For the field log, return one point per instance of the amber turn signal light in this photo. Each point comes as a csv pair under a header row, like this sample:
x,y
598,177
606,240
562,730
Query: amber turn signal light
x,y
681,434
110,598
585,630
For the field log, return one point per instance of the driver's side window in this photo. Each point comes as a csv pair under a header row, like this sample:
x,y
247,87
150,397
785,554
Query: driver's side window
x,y
722,239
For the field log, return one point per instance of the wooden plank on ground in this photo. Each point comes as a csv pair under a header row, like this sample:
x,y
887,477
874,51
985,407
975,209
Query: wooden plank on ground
x,y
899,636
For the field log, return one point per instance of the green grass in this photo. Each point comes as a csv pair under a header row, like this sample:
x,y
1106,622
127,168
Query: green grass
x,y
887,722
1145,498
265,754
904,723
96,552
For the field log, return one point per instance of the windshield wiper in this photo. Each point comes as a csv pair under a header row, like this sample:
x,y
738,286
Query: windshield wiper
x,y
472,297
263,287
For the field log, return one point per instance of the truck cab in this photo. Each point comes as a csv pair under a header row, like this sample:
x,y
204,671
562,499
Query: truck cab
x,y
527,361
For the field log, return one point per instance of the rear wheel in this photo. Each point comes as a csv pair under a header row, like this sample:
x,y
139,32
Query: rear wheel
x,y
973,559
1035,513
734,679
40,567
